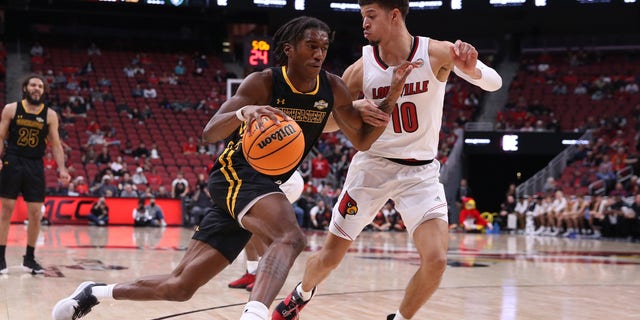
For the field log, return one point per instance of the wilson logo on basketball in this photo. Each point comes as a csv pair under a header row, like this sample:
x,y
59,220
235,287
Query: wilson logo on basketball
x,y
279,135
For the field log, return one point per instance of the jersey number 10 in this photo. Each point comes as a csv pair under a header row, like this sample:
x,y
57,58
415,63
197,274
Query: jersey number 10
x,y
404,117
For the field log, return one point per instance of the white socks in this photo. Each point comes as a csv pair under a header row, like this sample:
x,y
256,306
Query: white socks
x,y
252,266
103,291
306,295
399,316
255,310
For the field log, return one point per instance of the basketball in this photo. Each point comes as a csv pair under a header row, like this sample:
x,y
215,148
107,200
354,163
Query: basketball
x,y
277,149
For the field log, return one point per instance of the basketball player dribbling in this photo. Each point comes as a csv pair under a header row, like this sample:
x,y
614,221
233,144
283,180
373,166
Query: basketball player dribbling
x,y
246,202
400,165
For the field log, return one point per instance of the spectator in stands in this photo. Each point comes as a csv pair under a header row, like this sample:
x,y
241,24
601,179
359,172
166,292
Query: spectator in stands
x,y
99,215
320,168
129,71
555,213
116,165
103,82
60,80
156,213
179,69
105,188
93,50
613,223
163,193
320,215
139,177
141,151
37,49
549,185
179,186
190,147
82,188
464,191
137,92
507,213
380,222
152,79
153,178
49,162
88,68
128,191
149,92
103,157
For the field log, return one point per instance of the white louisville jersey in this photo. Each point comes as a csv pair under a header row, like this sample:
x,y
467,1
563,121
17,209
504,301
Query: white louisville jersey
x,y
413,131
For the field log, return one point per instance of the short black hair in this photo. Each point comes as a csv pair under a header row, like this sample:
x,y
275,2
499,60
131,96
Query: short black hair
x,y
402,5
292,32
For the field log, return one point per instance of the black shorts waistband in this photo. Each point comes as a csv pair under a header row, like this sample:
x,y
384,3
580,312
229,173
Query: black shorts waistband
x,y
410,162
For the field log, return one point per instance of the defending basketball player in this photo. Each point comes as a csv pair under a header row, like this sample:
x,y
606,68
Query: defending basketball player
x,y
246,202
400,165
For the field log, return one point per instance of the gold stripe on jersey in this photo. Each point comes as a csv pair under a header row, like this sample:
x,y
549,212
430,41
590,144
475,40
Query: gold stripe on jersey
x,y
30,123
232,177
286,79
230,173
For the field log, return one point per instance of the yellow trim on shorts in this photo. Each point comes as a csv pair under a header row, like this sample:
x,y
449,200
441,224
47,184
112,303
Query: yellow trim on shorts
x,y
230,173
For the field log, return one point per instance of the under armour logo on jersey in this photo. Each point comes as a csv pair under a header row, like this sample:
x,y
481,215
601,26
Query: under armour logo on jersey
x,y
280,101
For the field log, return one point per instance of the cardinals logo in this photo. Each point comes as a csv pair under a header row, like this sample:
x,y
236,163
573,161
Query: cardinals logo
x,y
348,206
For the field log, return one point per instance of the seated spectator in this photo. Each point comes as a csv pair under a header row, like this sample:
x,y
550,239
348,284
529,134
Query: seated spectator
x,y
179,69
37,49
137,91
189,147
320,215
162,193
179,186
141,217
93,50
49,162
156,214
104,157
380,222
141,151
129,71
139,177
88,68
149,92
155,154
82,188
128,191
104,82
99,215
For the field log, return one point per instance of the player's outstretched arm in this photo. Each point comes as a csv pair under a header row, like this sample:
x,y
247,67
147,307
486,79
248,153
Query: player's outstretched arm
x,y
468,67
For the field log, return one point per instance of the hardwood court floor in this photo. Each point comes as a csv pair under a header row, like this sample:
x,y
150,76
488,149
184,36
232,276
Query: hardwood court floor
x,y
489,277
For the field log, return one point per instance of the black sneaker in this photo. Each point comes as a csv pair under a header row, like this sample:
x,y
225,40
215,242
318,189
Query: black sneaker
x,y
3,267
290,307
78,304
391,316
31,265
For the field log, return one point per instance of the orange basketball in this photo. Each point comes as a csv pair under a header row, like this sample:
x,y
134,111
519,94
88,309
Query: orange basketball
x,y
277,149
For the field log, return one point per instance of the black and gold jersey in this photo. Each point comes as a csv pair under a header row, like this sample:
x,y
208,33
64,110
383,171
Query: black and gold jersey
x,y
28,132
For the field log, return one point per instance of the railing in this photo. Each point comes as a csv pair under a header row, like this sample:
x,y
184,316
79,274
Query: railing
x,y
553,169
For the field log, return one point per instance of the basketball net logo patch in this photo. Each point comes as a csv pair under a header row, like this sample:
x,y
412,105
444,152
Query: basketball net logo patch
x,y
348,206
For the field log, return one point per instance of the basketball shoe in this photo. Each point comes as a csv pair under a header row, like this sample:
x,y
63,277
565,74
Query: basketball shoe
x,y
291,306
250,286
78,304
391,316
30,264
3,267
244,281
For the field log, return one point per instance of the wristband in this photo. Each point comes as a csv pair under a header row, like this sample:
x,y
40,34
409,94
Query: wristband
x,y
239,114
489,81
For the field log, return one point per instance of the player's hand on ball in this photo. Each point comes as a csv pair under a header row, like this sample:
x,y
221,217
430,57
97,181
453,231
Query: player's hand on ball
x,y
254,112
